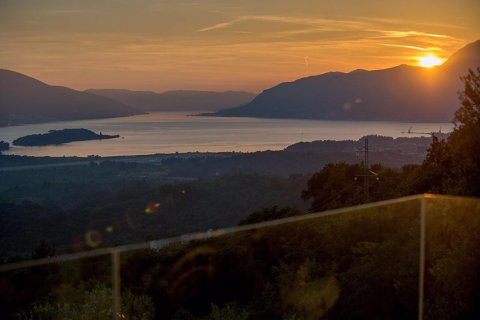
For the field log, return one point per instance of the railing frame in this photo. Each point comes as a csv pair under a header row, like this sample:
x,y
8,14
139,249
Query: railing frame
x,y
115,252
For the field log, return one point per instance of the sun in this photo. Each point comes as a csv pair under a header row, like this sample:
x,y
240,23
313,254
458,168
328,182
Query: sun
x,y
429,60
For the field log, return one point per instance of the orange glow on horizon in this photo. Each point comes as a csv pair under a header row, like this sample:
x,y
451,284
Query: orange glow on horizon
x,y
222,45
429,61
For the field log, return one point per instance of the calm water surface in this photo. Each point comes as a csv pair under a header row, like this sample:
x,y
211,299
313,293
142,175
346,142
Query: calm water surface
x,y
178,132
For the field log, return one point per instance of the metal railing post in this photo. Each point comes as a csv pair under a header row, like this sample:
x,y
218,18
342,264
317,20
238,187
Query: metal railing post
x,y
421,271
116,298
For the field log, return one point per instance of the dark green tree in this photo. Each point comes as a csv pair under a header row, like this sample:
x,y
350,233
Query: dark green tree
x,y
4,146
334,186
43,250
453,166
339,185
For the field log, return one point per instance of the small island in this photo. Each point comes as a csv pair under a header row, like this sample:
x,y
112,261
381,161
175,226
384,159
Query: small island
x,y
55,137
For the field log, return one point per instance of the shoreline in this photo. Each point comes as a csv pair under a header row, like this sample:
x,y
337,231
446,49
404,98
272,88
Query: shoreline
x,y
406,147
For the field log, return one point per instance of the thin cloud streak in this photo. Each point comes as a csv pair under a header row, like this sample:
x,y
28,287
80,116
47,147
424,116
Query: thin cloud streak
x,y
403,46
222,25
395,21
334,29
316,25
411,47
325,23
411,33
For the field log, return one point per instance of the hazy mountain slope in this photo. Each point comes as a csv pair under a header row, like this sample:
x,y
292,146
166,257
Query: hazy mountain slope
x,y
27,100
402,93
180,100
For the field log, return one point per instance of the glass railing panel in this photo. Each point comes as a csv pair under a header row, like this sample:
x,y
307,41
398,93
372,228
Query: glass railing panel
x,y
361,263
452,271
76,289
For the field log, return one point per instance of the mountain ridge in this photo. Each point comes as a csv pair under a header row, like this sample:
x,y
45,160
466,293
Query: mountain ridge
x,y
399,93
177,100
26,100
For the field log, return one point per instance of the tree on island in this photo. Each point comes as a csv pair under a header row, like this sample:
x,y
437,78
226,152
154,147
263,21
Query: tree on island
x,y
55,137
4,146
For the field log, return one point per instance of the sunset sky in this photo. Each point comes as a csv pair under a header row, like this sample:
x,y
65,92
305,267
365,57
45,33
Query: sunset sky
x,y
222,45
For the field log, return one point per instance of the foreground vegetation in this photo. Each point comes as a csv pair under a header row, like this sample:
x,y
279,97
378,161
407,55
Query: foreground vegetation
x,y
332,266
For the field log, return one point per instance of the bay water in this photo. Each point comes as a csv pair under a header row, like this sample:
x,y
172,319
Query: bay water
x,y
180,132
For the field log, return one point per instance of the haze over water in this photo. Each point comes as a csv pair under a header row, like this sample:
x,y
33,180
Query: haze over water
x,y
179,132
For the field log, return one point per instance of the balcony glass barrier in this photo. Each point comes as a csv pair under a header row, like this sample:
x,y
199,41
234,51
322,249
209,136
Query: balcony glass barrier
x,y
452,257
414,257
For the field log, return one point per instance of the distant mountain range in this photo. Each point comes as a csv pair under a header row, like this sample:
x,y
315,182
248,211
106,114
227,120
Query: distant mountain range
x,y
402,93
26,100
179,100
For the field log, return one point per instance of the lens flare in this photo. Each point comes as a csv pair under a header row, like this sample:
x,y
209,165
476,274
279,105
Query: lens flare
x,y
93,238
152,208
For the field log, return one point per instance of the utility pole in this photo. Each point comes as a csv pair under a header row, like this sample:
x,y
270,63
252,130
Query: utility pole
x,y
365,163
367,172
